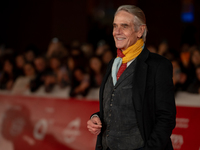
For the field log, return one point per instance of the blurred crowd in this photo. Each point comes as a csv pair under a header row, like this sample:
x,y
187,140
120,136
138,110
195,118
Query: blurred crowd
x,y
186,65
81,67
78,66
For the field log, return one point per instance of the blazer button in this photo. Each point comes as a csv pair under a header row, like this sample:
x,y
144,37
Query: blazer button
x,y
111,105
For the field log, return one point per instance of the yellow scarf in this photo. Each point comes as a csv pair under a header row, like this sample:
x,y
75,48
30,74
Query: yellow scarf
x,y
133,51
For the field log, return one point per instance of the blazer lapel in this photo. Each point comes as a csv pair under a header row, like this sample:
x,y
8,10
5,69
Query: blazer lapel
x,y
139,80
108,71
129,70
139,85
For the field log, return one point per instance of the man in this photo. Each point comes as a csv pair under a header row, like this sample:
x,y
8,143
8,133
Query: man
x,y
137,106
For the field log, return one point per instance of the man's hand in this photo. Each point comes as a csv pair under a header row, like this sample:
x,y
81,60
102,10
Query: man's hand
x,y
94,125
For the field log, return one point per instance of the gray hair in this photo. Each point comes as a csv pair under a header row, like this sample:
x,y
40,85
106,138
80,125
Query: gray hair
x,y
139,17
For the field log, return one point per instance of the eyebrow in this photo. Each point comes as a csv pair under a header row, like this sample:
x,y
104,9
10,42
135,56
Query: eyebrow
x,y
124,24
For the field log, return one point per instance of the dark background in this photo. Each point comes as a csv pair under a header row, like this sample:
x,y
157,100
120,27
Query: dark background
x,y
24,22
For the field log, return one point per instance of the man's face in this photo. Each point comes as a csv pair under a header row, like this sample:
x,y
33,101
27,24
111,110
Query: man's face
x,y
123,30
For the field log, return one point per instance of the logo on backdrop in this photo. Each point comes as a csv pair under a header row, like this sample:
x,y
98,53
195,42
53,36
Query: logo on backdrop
x,y
182,122
71,132
177,141
40,129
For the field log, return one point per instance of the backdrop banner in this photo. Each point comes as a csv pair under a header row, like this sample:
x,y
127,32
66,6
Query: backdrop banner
x,y
35,123
38,123
186,135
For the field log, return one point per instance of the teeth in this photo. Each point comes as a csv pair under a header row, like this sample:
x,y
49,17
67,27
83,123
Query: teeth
x,y
120,38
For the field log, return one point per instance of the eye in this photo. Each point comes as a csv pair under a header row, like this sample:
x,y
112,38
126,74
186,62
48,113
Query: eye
x,y
125,26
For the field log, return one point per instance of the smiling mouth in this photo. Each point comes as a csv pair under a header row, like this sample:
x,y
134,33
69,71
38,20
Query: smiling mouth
x,y
120,39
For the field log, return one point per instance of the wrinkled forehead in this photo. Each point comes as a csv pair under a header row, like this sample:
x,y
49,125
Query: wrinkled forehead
x,y
123,17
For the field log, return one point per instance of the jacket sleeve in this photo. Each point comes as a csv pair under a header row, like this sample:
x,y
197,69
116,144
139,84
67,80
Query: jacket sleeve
x,y
96,114
165,109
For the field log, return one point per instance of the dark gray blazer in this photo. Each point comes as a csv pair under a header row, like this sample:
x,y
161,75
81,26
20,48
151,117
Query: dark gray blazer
x,y
153,99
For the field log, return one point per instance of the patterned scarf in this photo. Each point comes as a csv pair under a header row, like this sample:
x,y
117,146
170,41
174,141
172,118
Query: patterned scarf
x,y
120,63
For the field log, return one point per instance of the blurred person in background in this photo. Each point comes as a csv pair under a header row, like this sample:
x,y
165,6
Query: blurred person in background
x,y
71,65
195,56
152,48
8,75
56,48
193,53
30,53
76,51
80,83
87,49
137,105
101,48
22,83
20,62
41,71
29,56
163,48
57,75
96,71
76,59
75,44
185,55
106,57
194,87
180,78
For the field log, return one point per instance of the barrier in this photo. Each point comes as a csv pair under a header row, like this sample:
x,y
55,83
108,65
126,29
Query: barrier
x,y
38,123
185,136
35,123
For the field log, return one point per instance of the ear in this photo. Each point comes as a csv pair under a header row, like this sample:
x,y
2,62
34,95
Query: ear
x,y
141,31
